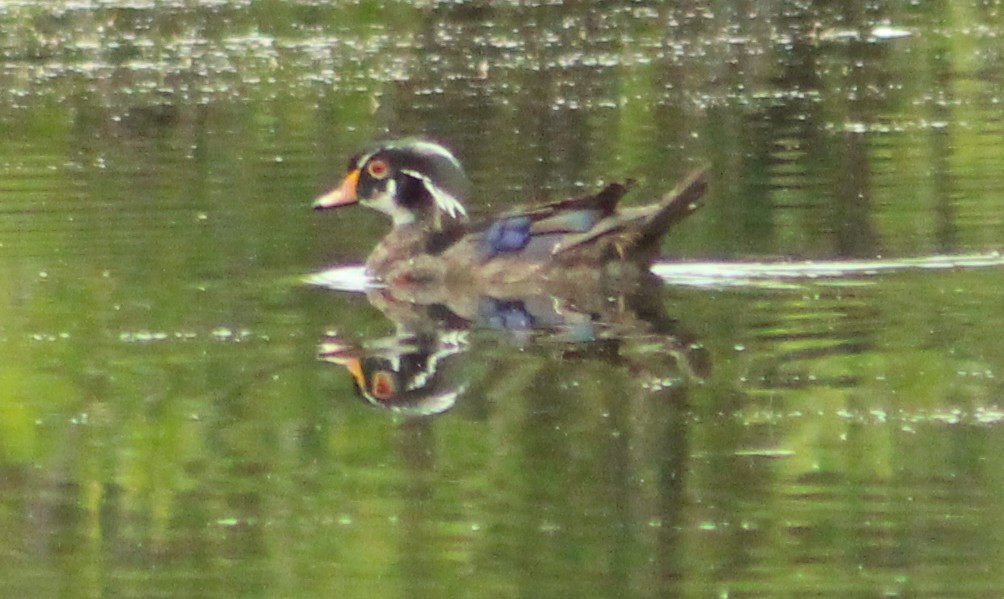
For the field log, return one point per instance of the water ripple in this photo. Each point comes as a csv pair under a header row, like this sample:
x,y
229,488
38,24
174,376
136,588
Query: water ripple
x,y
792,274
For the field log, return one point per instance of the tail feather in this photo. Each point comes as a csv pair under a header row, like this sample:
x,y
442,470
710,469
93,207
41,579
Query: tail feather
x,y
672,208
634,233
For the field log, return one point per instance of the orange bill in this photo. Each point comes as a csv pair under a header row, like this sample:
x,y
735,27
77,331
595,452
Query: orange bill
x,y
352,364
343,195
355,367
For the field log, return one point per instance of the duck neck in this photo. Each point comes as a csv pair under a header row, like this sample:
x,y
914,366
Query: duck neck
x,y
403,243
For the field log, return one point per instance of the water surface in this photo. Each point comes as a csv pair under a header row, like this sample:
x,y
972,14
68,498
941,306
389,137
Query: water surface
x,y
810,403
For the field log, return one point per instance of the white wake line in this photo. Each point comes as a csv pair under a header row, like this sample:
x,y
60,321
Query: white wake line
x,y
790,274
342,278
780,275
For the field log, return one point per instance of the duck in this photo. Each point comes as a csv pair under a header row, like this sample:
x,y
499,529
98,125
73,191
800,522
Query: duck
x,y
423,188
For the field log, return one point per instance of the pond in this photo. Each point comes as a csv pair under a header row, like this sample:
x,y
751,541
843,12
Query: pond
x,y
201,398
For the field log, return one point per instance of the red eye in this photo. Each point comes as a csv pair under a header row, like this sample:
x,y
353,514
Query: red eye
x,y
383,387
377,169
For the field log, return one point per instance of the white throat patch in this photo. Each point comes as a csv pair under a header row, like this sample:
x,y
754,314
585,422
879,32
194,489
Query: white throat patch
x,y
385,203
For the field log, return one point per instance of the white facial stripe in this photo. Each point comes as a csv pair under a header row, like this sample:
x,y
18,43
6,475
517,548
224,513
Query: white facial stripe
x,y
385,203
420,379
364,159
444,201
429,148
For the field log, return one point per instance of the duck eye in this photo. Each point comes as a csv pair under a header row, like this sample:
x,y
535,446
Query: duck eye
x,y
377,169
383,386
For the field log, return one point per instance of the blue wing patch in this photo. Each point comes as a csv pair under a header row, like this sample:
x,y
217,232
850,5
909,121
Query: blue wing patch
x,y
508,234
509,315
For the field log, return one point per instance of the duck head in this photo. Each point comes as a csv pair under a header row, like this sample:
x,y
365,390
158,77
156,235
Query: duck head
x,y
409,374
410,180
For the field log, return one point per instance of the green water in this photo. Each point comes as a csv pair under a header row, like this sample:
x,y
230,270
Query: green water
x,y
171,426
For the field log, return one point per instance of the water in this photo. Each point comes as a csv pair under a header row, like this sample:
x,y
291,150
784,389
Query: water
x,y
808,403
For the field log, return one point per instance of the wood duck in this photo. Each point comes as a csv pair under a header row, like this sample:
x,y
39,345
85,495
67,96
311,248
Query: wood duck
x,y
422,187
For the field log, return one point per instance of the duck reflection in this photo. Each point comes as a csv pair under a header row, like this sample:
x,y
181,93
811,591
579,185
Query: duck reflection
x,y
405,373
424,368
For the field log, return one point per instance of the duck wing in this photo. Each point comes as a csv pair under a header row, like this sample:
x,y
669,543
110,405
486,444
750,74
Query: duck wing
x,y
634,233
590,228
533,233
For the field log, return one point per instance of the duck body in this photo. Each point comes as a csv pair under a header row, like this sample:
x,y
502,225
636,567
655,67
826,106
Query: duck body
x,y
433,244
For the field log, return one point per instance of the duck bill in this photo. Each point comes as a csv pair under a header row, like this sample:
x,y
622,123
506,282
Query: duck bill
x,y
343,195
339,354
355,368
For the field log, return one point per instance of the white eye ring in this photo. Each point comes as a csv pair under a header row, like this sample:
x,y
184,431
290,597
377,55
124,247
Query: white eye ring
x,y
378,169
